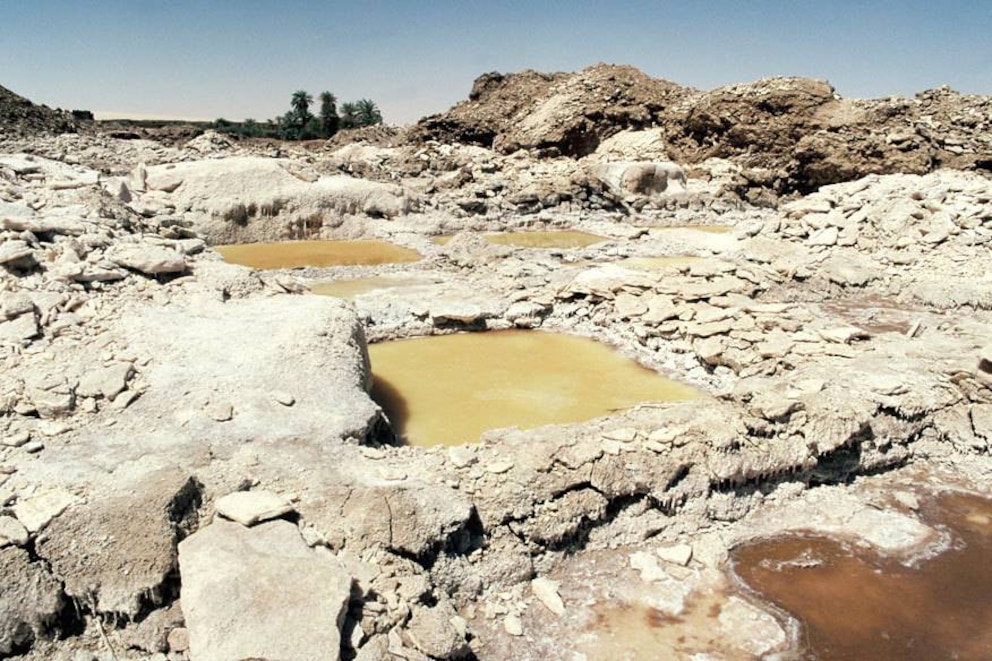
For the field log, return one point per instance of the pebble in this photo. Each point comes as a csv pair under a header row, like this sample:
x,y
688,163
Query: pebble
x,y
34,447
283,397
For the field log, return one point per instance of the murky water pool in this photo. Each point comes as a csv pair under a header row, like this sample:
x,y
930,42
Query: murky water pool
x,y
447,390
853,604
563,239
295,254
349,288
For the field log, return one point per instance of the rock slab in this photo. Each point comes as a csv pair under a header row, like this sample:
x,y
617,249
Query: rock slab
x,y
262,593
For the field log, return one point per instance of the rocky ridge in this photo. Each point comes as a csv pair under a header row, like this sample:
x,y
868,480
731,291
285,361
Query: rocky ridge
x,y
174,429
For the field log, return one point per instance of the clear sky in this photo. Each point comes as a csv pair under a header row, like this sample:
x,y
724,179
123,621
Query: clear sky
x,y
244,58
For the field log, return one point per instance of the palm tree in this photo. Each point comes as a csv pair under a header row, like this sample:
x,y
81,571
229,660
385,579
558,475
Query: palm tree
x,y
368,113
301,107
329,119
349,115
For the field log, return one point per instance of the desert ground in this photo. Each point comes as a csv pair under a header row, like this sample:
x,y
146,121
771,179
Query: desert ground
x,y
192,466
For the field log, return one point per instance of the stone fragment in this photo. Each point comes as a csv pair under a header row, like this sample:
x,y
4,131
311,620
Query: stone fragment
x,y
19,329
261,593
623,435
678,554
251,507
38,511
147,259
178,639
842,334
105,382
15,251
660,308
629,306
710,329
16,440
512,625
546,592
12,532
824,237
432,632
499,467
647,565
461,312
221,412
461,456
283,397
30,600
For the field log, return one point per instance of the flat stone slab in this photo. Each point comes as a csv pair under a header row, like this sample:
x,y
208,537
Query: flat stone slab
x,y
251,507
261,593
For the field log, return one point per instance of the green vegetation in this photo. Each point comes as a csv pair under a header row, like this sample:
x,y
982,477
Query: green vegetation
x,y
300,124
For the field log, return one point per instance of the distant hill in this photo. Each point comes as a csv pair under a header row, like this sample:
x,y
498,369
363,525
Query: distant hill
x,y
20,117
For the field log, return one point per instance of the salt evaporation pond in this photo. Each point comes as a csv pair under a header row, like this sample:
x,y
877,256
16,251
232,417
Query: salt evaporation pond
x,y
297,254
349,288
448,390
855,604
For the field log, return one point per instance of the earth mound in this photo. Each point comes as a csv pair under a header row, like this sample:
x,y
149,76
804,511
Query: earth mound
x,y
18,116
788,134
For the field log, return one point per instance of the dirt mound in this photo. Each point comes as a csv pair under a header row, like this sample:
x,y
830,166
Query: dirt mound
x,y
788,134
18,116
555,114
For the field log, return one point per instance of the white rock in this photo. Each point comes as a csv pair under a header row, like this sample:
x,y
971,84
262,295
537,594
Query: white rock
x,y
12,532
283,397
37,512
679,554
16,440
512,625
546,592
147,259
261,592
251,507
220,412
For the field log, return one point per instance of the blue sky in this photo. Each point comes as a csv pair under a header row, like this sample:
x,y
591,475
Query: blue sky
x,y
244,58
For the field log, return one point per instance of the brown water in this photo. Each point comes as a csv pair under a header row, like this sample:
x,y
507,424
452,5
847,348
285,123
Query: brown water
x,y
853,604
295,254
349,288
563,239
447,390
